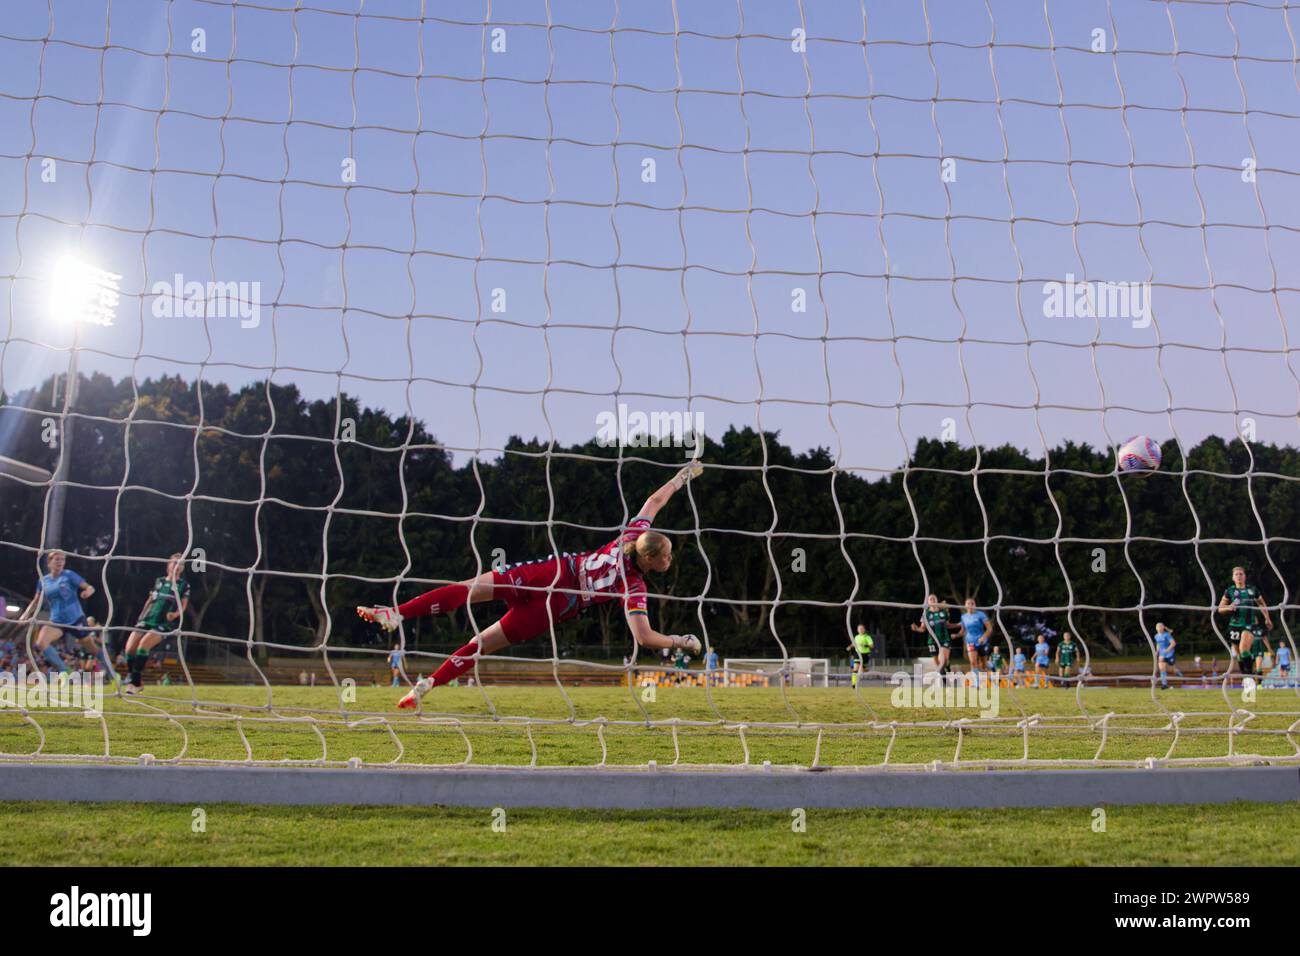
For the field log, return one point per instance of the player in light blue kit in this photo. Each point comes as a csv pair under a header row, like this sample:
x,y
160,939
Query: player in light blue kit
x,y
1018,668
1165,645
62,590
395,665
974,628
1042,658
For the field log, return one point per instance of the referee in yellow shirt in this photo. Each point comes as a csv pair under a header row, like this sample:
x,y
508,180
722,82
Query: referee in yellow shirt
x,y
861,650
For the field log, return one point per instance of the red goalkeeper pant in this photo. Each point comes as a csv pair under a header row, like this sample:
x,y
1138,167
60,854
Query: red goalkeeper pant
x,y
454,666
443,600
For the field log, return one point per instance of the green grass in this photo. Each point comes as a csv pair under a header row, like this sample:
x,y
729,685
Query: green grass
x,y
56,833
61,834
137,726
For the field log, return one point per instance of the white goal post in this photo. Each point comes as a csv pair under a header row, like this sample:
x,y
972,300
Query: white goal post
x,y
797,671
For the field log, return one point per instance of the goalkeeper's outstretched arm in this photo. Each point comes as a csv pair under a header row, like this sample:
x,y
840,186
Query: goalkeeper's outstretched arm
x,y
647,636
676,483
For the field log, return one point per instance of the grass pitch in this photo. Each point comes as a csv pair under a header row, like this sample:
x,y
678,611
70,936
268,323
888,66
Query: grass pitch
x,y
316,726
66,834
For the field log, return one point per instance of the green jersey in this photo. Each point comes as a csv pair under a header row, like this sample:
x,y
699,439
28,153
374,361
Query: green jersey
x,y
936,623
1246,616
995,660
864,643
1068,649
165,598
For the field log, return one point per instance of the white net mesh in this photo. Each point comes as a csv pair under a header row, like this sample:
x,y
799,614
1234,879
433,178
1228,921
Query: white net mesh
x,y
916,270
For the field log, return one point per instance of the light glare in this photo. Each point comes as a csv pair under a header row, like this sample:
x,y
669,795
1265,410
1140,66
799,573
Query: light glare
x,y
83,293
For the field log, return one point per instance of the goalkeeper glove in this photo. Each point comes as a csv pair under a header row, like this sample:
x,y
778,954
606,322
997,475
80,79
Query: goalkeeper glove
x,y
693,470
688,642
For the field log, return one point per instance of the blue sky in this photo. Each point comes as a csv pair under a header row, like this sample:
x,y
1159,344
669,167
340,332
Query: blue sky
x,y
522,170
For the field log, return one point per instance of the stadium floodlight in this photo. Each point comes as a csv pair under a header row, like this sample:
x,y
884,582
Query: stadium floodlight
x,y
80,293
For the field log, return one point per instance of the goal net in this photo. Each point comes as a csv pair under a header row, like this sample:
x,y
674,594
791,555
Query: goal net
x,y
341,301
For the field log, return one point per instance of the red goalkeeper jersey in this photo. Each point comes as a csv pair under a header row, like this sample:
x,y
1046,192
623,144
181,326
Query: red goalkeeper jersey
x,y
606,574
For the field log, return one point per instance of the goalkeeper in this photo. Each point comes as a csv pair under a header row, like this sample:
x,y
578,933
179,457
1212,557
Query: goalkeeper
x,y
554,589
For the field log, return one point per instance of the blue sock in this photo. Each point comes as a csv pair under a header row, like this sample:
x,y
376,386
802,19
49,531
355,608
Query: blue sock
x,y
53,659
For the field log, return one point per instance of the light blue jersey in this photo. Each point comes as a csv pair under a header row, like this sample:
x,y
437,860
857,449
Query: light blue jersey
x,y
1165,643
975,623
61,597
1042,653
1284,655
1019,660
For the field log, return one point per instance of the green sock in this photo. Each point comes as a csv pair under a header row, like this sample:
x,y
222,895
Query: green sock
x,y
137,662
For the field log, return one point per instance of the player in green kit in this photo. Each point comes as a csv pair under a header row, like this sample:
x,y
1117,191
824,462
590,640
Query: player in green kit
x,y
1250,660
1246,606
1065,656
861,649
934,622
996,663
160,617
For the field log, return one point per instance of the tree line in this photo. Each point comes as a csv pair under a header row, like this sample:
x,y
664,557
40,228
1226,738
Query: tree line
x,y
301,509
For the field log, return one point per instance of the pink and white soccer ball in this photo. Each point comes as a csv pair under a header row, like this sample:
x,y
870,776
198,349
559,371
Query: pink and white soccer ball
x,y
1139,453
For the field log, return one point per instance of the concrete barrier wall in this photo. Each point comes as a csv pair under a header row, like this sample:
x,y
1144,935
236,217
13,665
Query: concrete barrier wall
x,y
644,790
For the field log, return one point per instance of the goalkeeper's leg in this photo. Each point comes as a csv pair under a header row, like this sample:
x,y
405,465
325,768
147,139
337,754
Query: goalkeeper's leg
x,y
524,621
489,640
443,600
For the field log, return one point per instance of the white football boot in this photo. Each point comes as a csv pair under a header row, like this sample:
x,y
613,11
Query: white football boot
x,y
415,694
386,617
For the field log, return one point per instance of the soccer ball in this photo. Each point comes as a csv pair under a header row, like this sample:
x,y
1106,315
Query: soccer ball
x,y
1139,453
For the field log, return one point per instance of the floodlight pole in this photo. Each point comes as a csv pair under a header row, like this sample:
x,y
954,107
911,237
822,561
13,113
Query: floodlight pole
x,y
83,293
54,529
